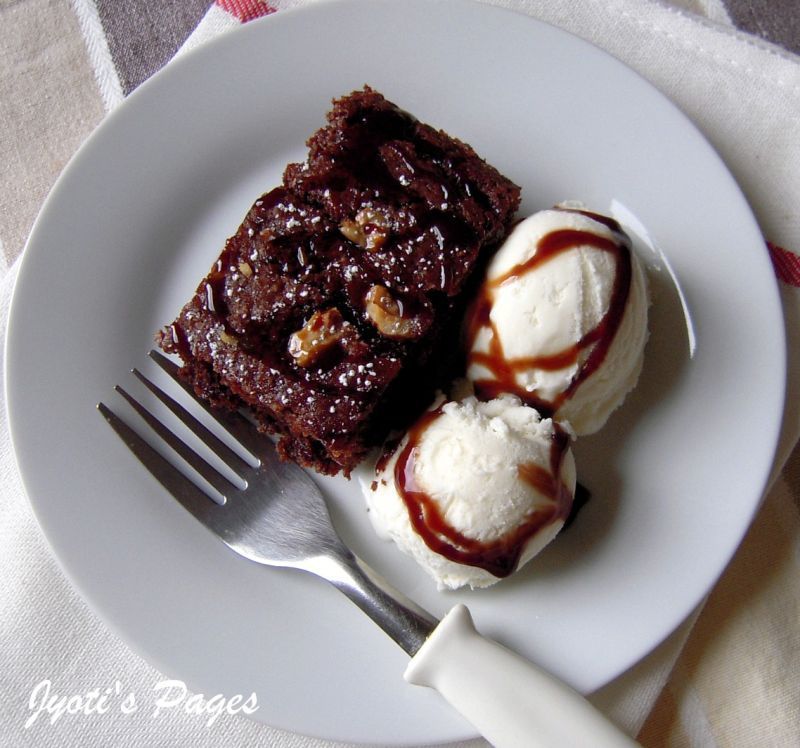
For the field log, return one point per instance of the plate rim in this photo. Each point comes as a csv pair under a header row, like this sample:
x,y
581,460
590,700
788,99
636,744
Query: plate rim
x,y
203,51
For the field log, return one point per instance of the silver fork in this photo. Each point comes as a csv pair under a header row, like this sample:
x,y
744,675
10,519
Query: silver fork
x,y
280,518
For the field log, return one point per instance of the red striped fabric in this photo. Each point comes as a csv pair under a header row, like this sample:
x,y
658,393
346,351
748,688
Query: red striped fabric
x,y
786,264
246,10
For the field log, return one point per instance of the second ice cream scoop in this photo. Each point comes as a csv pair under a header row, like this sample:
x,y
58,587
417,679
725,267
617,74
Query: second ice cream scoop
x,y
561,319
474,490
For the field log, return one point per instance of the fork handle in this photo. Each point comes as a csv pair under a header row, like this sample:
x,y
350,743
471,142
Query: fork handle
x,y
513,703
401,618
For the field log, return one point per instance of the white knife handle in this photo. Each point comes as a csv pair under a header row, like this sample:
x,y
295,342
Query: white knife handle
x,y
513,703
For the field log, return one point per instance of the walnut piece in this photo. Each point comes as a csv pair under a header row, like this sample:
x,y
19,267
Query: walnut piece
x,y
369,230
386,313
227,338
322,331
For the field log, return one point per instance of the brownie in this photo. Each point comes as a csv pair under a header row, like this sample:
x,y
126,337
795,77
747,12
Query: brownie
x,y
331,313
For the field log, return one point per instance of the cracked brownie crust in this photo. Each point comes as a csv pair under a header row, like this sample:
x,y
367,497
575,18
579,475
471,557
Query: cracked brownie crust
x,y
332,312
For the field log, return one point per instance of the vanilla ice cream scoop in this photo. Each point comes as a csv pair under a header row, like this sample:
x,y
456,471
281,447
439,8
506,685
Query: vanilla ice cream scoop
x,y
474,490
561,319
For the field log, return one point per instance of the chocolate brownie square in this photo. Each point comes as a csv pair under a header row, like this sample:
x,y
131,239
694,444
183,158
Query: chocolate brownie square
x,y
331,312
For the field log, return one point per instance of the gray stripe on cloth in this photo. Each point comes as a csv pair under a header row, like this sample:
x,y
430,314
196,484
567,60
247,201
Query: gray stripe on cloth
x,y
143,35
777,21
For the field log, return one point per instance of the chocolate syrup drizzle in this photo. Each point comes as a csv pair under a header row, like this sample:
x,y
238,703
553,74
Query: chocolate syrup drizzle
x,y
504,370
501,556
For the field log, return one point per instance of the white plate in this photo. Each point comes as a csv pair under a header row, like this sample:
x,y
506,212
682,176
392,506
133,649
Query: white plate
x,y
141,213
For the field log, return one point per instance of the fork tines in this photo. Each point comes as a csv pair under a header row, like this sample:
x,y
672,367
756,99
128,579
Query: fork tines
x,y
185,490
